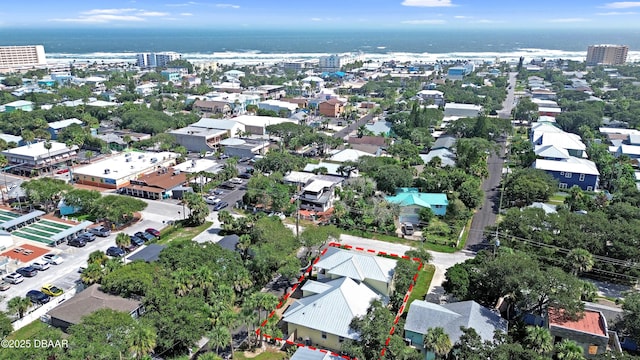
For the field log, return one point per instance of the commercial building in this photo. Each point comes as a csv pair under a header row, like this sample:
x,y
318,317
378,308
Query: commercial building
x,y
607,54
206,134
335,62
287,108
36,158
19,57
118,171
462,110
156,185
147,60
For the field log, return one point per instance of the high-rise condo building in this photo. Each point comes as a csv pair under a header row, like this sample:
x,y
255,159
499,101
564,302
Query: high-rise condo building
x,y
19,57
607,54
147,60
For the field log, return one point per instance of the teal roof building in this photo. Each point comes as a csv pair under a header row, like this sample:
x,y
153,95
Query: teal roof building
x,y
411,200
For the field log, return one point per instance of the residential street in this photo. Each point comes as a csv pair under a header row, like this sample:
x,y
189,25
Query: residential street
x,y
353,127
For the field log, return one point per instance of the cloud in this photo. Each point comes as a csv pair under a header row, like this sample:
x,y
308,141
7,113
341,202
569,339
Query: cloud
x,y
182,4
186,14
424,22
428,3
316,19
108,11
462,17
153,13
112,15
228,6
486,21
622,4
567,20
615,13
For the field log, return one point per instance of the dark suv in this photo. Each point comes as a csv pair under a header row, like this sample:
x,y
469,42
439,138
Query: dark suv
x,y
115,251
136,240
27,271
38,297
77,242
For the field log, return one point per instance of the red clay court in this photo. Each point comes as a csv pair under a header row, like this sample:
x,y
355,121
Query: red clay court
x,y
25,252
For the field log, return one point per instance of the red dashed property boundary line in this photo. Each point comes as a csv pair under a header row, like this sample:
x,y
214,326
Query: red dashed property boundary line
x,y
303,277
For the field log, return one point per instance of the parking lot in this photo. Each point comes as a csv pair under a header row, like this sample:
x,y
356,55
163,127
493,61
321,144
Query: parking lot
x,y
156,215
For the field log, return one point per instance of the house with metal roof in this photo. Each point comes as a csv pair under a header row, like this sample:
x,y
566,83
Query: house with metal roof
x,y
444,142
423,315
375,271
57,126
322,317
305,353
411,200
572,171
446,156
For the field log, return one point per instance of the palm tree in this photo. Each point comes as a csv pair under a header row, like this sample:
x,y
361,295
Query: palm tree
x,y
204,279
438,341
19,305
539,339
183,282
48,145
92,274
219,337
88,155
122,240
569,350
142,340
97,257
580,261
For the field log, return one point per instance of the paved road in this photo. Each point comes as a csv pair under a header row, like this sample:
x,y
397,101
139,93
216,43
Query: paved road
x,y
510,100
353,127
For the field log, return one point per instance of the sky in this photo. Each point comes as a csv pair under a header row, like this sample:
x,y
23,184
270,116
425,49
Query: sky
x,y
324,14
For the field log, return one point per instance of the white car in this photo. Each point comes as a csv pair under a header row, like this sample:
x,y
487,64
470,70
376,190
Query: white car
x,y
53,259
236,181
40,265
211,200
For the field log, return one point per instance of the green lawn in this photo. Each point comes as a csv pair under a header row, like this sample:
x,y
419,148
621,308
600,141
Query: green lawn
x,y
267,355
30,331
178,232
422,285
557,199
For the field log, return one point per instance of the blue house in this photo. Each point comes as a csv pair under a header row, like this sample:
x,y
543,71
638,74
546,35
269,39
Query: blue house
x,y
57,126
411,201
572,171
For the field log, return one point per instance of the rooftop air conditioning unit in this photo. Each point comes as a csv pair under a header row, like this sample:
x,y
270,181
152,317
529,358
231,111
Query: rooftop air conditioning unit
x,y
128,159
107,171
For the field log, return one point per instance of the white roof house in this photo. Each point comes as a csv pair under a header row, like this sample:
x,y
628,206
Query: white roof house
x,y
606,130
462,110
332,169
56,125
551,152
570,165
348,155
257,124
332,308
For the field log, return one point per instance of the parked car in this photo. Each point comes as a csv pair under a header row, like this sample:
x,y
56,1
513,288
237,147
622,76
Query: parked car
x,y
236,181
130,248
218,192
40,266
135,240
14,278
245,176
38,297
77,242
62,171
27,271
100,231
115,251
211,200
407,228
221,205
4,286
153,232
223,156
81,269
88,237
53,259
145,236
51,290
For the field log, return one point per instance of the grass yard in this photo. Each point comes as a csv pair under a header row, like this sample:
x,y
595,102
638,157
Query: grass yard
x,y
422,285
30,331
177,232
557,199
267,355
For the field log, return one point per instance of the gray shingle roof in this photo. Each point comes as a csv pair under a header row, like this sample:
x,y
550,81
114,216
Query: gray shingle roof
x,y
423,315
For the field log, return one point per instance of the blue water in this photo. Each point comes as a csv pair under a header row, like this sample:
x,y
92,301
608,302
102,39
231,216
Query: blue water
x,y
79,41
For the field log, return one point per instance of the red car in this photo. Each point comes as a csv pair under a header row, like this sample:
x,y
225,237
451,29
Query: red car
x,y
153,232
62,171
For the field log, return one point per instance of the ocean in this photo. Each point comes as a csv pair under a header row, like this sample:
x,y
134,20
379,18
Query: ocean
x,y
269,46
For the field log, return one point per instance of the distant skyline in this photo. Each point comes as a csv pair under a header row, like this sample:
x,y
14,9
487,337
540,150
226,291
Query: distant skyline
x,y
322,15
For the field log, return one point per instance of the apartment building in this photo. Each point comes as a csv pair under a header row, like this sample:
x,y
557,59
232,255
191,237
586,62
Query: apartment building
x,y
16,57
607,54
148,60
